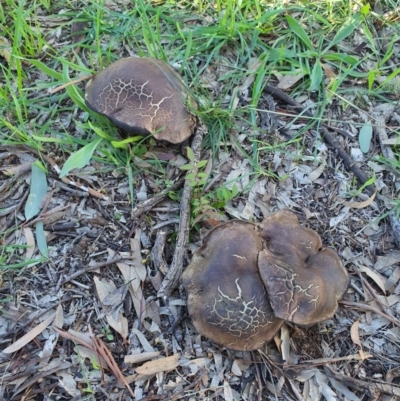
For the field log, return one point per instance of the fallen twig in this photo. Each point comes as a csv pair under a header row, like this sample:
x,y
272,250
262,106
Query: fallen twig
x,y
370,308
102,351
114,259
374,388
158,251
148,204
279,94
381,117
175,271
73,82
329,139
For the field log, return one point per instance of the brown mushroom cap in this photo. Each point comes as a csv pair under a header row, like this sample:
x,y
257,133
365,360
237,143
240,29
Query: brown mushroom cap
x,y
226,297
246,279
304,281
142,96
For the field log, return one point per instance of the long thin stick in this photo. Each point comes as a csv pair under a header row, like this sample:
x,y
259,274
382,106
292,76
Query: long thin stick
x,y
148,204
172,278
329,139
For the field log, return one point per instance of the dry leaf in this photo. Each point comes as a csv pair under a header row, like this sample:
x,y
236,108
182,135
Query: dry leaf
x,y
341,388
142,357
68,382
388,260
53,367
360,205
30,241
236,369
135,290
355,337
117,321
113,301
59,319
28,337
159,365
48,349
379,280
390,141
5,48
228,394
288,81
315,174
79,337
137,256
143,340
53,217
341,216
130,275
328,71
195,364
285,345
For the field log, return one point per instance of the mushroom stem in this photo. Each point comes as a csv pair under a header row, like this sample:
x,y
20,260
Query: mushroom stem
x,y
175,271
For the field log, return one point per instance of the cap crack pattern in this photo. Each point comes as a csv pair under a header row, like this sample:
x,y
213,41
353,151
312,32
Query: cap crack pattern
x,y
238,316
287,277
138,99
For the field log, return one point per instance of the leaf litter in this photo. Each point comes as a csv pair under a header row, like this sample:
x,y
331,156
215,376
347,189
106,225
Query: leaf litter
x,y
154,354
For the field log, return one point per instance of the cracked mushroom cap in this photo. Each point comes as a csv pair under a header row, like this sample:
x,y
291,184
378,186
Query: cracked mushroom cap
x,y
142,96
304,281
246,279
227,300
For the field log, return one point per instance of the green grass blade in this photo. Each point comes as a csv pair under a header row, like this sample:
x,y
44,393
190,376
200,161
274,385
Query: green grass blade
x,y
316,76
80,158
345,30
299,31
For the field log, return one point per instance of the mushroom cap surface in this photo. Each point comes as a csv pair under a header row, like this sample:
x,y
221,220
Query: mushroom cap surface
x,y
142,95
304,281
227,300
246,279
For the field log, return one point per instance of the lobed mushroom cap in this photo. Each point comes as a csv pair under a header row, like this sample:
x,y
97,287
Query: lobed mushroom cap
x,y
246,279
226,297
304,281
142,96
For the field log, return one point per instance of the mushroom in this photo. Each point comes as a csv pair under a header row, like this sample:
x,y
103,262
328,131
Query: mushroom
x,y
142,96
247,279
304,281
226,297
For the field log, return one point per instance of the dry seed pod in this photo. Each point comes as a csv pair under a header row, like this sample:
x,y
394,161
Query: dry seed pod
x,y
142,96
246,279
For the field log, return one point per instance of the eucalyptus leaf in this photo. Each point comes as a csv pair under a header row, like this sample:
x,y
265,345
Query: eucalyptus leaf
x,y
364,137
80,158
41,239
38,189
